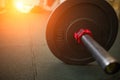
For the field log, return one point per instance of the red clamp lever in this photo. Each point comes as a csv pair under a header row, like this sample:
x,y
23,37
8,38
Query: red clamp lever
x,y
78,35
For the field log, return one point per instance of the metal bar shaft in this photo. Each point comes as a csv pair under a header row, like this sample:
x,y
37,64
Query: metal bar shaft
x,y
105,60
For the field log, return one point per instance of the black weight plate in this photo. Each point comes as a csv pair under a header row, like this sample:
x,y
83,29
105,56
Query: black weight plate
x,y
95,15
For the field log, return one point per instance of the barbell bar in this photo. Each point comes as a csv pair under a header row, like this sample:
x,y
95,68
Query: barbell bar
x,y
81,31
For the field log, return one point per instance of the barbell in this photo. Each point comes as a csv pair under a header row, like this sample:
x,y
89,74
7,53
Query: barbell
x,y
81,31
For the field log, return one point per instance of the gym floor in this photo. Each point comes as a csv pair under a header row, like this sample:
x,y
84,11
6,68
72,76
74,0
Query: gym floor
x,y
24,54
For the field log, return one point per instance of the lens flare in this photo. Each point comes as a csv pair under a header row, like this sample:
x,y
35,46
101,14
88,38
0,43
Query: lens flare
x,y
23,6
